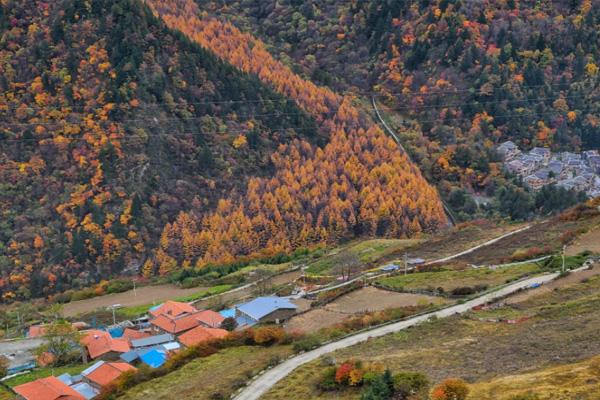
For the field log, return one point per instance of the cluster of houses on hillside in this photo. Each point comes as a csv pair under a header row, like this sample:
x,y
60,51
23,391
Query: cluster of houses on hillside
x,y
540,167
151,340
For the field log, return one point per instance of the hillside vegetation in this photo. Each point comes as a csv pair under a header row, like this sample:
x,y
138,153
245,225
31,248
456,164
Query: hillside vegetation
x,y
460,76
360,183
112,123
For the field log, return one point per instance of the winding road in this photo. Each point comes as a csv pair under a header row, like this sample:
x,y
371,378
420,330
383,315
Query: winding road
x,y
263,383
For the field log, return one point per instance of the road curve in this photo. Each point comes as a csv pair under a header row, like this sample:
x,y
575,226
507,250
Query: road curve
x,y
266,381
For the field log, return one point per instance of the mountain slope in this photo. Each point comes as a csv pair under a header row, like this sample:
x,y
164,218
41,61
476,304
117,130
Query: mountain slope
x,y
360,183
461,76
111,124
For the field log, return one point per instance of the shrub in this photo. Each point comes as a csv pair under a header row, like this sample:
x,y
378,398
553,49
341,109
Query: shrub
x,y
463,291
409,383
307,343
229,324
267,335
450,389
342,374
328,381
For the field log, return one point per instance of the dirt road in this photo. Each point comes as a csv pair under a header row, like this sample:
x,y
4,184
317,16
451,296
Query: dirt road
x,y
143,295
266,381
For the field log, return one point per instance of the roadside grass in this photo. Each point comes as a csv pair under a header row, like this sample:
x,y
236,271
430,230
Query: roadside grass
x,y
477,351
213,377
571,381
6,395
449,280
45,372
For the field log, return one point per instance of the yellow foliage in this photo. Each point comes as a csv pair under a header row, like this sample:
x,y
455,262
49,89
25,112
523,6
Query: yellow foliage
x,y
240,141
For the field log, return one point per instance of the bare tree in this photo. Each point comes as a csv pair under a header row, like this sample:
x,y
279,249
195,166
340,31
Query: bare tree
x,y
348,264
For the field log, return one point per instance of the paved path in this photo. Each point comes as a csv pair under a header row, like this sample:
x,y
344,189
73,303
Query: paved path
x,y
266,381
472,249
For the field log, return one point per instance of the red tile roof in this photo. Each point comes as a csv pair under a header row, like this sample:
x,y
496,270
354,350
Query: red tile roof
x,y
37,331
201,334
50,388
176,325
100,342
132,334
173,309
108,373
210,318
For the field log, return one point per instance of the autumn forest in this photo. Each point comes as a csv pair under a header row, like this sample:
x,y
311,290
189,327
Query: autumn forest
x,y
156,136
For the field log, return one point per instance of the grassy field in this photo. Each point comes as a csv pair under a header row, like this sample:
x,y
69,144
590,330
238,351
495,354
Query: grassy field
x,y
578,381
208,378
546,236
562,330
136,311
590,241
451,279
367,251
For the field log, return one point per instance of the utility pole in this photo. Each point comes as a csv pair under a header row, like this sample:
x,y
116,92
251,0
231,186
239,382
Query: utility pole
x,y
405,263
134,291
563,258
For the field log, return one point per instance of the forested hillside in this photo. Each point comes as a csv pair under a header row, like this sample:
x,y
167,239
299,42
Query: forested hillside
x,y
112,124
360,183
462,75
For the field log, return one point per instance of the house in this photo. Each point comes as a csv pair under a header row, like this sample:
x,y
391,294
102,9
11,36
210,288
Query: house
x,y
103,373
172,309
210,318
36,331
86,390
542,152
100,344
50,388
264,309
132,334
175,325
508,150
134,356
556,167
154,358
152,341
534,182
201,334
389,268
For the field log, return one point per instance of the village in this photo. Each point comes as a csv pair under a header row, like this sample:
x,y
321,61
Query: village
x,y
540,167
150,341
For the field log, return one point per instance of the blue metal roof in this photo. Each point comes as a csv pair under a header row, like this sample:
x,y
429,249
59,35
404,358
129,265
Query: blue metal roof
x,y
262,306
116,332
154,358
229,313
243,321
130,356
389,267
84,389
